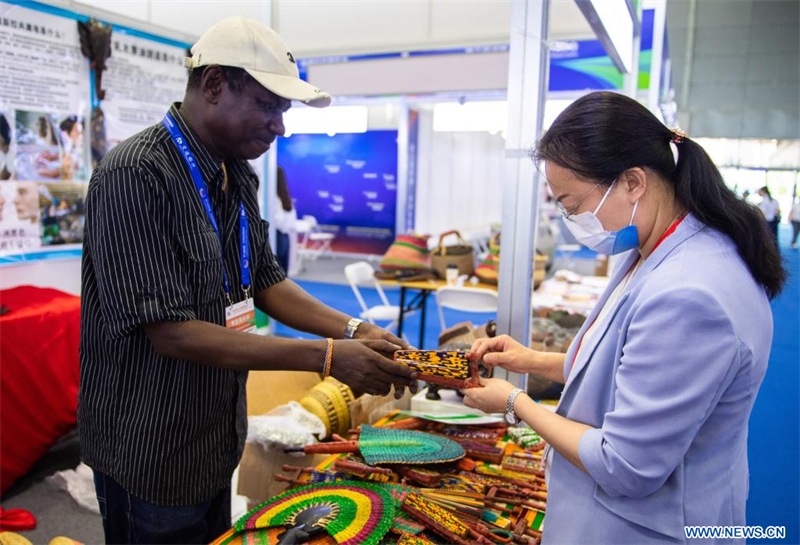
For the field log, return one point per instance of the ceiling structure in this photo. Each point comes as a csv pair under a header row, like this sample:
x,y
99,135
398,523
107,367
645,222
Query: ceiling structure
x,y
735,63
736,67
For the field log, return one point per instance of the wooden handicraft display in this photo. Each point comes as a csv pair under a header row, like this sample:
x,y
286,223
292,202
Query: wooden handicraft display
x,y
457,433
350,512
519,464
437,519
482,451
409,539
450,368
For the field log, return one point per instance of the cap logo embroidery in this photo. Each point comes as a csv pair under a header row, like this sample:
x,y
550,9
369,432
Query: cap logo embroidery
x,y
291,58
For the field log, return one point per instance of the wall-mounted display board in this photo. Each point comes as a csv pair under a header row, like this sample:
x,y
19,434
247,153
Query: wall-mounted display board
x,y
52,128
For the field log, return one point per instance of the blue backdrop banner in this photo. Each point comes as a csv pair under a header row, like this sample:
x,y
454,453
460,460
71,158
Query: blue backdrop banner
x,y
348,182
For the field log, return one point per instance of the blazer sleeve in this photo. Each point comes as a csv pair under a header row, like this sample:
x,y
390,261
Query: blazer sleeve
x,y
680,354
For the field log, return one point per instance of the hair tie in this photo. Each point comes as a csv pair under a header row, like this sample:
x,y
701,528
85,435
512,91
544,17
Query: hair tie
x,y
677,135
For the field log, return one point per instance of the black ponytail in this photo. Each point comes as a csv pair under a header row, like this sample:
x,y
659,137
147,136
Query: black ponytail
x,y
602,134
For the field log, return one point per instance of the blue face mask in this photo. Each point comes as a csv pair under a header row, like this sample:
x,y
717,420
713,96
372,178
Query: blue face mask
x,y
590,232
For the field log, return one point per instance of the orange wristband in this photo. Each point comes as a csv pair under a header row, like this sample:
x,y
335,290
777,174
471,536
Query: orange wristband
x,y
326,367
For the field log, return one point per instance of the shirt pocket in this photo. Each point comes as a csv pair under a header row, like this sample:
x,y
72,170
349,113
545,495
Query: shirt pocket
x,y
202,255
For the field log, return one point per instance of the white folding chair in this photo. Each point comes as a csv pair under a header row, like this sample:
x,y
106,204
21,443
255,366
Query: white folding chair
x,y
315,241
361,274
466,300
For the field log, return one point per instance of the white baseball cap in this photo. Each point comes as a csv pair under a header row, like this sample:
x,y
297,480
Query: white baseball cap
x,y
242,42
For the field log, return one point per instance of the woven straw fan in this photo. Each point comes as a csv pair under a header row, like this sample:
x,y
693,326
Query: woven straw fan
x,y
387,446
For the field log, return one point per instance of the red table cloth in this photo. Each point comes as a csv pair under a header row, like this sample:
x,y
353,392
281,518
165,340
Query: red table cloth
x,y
39,340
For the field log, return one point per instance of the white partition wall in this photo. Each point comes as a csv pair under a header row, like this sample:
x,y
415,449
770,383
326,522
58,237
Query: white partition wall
x,y
459,179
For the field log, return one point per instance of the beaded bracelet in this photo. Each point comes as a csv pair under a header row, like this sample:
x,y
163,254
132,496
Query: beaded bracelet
x,y
326,367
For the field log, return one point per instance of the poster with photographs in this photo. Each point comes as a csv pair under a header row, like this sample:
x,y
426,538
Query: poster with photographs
x,y
44,97
20,227
62,212
50,136
143,79
48,148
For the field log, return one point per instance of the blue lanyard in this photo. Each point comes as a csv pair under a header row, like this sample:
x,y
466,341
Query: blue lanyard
x,y
202,191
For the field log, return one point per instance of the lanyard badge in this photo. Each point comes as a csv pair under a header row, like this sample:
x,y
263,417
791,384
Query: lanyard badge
x,y
240,316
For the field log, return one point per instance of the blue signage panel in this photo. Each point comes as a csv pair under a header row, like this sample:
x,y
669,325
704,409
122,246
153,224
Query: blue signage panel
x,y
348,182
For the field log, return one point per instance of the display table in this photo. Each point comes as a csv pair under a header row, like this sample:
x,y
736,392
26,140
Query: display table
x,y
495,493
449,404
424,287
39,375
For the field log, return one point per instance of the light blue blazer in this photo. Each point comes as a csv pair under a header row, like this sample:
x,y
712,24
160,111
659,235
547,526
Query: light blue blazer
x,y
668,381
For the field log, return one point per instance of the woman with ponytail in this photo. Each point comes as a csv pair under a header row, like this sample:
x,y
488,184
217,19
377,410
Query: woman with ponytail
x,y
650,435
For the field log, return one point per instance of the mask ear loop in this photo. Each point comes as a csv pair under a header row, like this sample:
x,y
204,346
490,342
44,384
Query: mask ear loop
x,y
608,192
634,212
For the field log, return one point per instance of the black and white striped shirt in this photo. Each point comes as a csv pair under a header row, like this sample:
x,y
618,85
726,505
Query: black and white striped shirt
x,y
170,431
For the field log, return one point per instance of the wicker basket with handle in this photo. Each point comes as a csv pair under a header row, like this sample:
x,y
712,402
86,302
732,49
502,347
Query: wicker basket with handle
x,y
461,255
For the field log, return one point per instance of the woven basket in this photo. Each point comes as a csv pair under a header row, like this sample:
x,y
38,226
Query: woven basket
x,y
461,255
329,401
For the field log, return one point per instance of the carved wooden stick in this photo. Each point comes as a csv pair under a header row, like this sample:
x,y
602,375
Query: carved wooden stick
x,y
284,479
535,505
525,493
342,447
360,469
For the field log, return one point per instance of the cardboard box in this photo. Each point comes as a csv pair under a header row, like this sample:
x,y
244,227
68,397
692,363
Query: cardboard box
x,y
265,391
269,389
258,468
368,409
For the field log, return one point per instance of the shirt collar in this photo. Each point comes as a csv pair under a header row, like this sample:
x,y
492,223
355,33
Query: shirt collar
x,y
210,170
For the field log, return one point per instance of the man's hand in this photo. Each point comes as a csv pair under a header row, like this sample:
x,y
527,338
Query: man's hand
x,y
361,365
368,331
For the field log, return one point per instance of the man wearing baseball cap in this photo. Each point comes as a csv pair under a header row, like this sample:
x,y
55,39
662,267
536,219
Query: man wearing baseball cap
x,y
176,258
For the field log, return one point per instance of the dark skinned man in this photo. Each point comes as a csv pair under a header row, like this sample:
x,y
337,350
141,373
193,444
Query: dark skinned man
x,y
175,260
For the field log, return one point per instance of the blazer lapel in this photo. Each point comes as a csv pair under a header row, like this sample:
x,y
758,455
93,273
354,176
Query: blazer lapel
x,y
579,362
687,229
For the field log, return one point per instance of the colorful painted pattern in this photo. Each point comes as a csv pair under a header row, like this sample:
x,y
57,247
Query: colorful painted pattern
x,y
408,539
524,436
405,523
521,465
449,364
447,520
364,512
460,482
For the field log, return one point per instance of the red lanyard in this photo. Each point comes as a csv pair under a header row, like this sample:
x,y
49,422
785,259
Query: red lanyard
x,y
669,231
666,234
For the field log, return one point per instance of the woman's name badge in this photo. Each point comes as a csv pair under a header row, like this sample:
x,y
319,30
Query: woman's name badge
x,y
241,316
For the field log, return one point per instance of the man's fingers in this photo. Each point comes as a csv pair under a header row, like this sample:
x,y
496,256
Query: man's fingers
x,y
378,388
392,368
468,402
396,340
382,346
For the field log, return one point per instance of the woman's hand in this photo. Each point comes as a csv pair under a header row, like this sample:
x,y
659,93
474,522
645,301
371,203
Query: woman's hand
x,y
505,352
492,398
